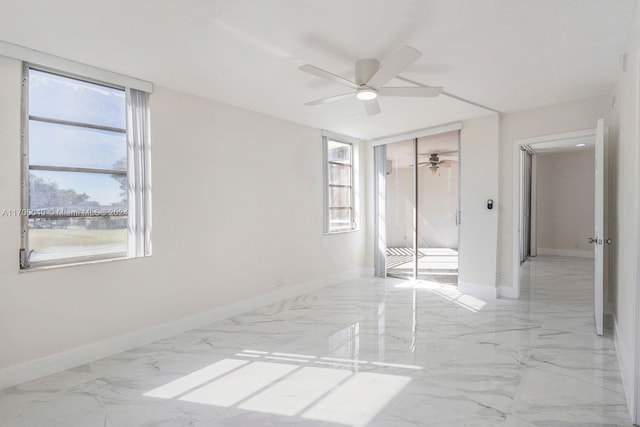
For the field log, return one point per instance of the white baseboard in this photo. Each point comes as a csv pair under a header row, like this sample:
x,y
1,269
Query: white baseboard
x,y
48,365
625,369
508,292
480,291
565,252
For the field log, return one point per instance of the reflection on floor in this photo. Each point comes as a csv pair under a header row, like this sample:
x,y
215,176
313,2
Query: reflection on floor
x,y
438,265
368,352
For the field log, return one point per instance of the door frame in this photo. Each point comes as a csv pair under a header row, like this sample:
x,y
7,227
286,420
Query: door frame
x,y
515,210
634,399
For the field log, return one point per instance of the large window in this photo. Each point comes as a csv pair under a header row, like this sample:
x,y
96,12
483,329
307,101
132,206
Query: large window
x,y
84,147
340,212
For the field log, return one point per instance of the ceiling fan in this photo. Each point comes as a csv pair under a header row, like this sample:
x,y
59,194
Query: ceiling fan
x,y
434,161
371,78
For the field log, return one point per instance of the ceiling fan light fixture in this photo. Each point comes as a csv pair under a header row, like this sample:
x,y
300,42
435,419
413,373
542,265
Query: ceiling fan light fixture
x,y
366,93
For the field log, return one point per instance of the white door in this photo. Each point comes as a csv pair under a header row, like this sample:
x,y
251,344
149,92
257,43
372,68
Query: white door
x,y
599,237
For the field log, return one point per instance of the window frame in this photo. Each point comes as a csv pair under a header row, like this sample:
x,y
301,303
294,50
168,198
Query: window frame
x,y
354,179
138,181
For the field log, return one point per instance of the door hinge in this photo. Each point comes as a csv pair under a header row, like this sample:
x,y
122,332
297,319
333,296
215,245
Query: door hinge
x,y
25,258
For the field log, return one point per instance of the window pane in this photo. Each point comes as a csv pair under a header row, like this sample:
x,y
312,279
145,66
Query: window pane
x,y
339,174
339,197
74,237
63,98
72,146
340,219
75,190
339,152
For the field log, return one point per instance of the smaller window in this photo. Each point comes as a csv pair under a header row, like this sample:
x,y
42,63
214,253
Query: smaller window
x,y
340,188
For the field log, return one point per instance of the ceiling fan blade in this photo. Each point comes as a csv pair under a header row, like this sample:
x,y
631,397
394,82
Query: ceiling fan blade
x,y
319,72
410,91
372,106
394,66
329,99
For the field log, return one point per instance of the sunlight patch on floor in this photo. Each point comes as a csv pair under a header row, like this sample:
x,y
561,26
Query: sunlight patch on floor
x,y
450,293
344,396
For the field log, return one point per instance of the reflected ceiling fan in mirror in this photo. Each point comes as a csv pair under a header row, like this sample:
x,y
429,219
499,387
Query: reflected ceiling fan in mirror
x,y
371,78
435,162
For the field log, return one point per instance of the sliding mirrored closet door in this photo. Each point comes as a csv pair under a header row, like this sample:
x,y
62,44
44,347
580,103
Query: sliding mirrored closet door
x,y
417,192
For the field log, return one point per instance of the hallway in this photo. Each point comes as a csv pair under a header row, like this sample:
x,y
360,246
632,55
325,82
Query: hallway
x,y
368,352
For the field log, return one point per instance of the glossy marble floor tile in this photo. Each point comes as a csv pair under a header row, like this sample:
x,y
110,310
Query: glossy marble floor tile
x,y
368,352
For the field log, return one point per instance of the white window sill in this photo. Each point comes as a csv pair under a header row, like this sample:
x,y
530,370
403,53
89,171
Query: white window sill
x,y
326,233
75,263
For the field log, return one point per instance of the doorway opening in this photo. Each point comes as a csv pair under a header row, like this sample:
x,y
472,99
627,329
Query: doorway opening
x,y
418,205
559,207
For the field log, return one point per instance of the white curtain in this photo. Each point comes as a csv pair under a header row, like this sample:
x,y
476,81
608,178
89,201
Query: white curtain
x,y
380,206
138,149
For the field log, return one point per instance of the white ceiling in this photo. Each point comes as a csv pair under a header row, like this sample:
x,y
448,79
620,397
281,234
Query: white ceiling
x,y
506,54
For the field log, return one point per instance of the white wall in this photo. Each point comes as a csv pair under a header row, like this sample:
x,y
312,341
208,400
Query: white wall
x,y
237,212
624,218
479,140
566,117
565,208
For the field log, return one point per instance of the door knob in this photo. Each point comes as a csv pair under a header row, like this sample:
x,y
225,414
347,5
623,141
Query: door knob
x,y
592,240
